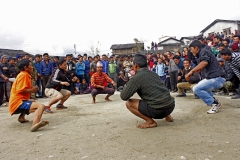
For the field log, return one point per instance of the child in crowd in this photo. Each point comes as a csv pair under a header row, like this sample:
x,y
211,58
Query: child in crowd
x,y
92,71
84,89
121,81
160,70
77,86
167,81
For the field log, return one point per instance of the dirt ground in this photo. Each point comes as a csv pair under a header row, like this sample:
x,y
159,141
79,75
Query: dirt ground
x,y
107,130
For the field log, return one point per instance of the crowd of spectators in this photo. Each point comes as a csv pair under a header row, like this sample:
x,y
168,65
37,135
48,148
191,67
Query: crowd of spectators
x,y
170,66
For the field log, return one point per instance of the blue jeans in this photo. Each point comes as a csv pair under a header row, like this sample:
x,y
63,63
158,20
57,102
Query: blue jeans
x,y
205,87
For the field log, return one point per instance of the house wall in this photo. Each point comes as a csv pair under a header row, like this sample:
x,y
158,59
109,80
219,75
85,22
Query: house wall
x,y
220,26
123,51
170,41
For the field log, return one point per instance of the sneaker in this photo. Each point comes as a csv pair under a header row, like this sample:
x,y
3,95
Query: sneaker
x,y
196,97
181,95
60,106
214,109
48,110
236,96
231,93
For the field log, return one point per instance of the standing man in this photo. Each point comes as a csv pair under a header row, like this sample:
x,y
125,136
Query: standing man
x,y
34,74
156,101
20,94
37,65
80,68
99,83
104,62
173,72
46,69
70,72
87,68
5,67
112,67
3,79
93,65
213,74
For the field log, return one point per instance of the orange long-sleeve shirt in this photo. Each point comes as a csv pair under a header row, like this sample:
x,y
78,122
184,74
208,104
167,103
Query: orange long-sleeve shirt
x,y
21,83
100,79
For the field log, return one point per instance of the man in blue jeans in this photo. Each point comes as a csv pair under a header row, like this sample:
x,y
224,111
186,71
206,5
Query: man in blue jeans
x,y
214,76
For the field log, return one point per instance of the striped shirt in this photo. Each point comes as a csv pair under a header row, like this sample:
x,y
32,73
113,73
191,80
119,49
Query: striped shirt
x,y
234,63
100,79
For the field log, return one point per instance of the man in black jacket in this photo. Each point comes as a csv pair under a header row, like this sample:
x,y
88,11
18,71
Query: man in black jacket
x,y
187,83
70,72
54,87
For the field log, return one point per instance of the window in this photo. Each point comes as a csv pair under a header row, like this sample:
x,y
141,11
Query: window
x,y
227,31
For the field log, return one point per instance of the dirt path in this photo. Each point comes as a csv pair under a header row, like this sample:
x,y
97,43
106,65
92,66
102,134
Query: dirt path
x,y
107,130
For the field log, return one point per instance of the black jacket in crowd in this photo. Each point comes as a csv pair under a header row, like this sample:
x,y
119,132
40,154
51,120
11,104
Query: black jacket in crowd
x,y
229,74
195,78
70,69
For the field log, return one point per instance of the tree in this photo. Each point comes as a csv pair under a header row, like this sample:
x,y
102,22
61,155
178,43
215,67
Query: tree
x,y
138,44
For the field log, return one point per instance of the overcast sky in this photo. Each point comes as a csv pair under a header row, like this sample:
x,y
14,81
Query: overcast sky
x,y
55,26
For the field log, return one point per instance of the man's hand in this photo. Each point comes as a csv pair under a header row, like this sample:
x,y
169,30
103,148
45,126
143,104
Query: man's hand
x,y
187,76
6,79
72,74
74,79
65,83
179,78
103,87
5,68
34,89
114,84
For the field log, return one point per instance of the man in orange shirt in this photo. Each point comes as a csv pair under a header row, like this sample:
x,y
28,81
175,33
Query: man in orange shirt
x,y
99,83
20,94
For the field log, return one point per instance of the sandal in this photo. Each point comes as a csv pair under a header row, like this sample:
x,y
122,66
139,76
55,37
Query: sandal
x,y
60,106
48,110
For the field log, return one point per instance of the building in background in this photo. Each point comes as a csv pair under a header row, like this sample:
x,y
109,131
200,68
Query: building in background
x,y
169,44
127,49
227,27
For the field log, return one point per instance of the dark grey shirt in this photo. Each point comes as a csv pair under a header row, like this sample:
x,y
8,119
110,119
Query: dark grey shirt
x,y
1,72
150,88
213,69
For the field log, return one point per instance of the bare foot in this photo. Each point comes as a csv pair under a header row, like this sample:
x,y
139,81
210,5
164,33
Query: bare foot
x,y
107,99
22,120
39,125
169,118
147,125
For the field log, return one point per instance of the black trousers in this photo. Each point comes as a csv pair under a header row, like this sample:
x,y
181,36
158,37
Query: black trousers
x,y
44,83
1,92
174,80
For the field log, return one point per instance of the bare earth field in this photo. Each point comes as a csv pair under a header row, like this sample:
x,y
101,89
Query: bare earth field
x,y
107,130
